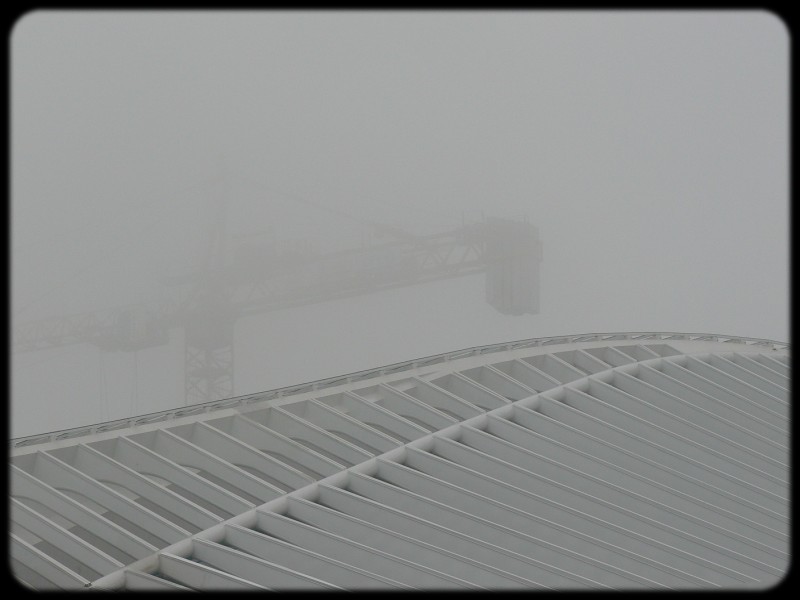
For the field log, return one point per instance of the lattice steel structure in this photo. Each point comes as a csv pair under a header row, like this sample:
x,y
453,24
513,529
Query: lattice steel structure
x,y
601,461
259,279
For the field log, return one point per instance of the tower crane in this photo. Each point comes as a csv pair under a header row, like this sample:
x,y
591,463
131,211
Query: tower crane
x,y
256,278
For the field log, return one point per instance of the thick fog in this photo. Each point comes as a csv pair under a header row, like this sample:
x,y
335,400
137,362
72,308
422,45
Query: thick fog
x,y
648,150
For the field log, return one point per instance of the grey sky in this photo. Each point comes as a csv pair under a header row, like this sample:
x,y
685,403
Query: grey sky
x,y
650,149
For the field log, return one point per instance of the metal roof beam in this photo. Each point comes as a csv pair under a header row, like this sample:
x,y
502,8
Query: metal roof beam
x,y
747,375
555,511
241,454
583,361
61,475
292,426
734,384
446,561
103,468
355,431
610,356
139,581
554,533
251,568
759,421
44,566
508,387
623,494
644,445
94,559
410,408
530,573
280,447
685,431
354,554
759,368
778,364
25,485
277,551
571,441
379,417
556,368
215,498
593,572
442,400
201,577
597,407
637,352
681,410
773,414
239,482
618,508
471,391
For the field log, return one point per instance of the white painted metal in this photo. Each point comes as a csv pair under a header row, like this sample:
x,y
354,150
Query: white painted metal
x,y
739,372
533,573
625,493
597,574
212,496
653,461
636,351
589,453
442,400
52,571
311,435
376,416
648,406
774,414
477,497
250,568
775,363
152,527
610,355
243,455
643,444
344,426
615,509
102,468
734,384
582,360
96,561
404,546
555,367
770,425
471,391
353,553
139,581
554,510
696,446
409,407
759,368
208,465
197,576
277,551
280,447
610,475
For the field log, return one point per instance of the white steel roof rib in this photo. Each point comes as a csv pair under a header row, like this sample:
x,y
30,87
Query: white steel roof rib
x,y
598,461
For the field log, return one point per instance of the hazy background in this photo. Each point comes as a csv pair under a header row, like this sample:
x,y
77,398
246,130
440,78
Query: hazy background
x,y
650,149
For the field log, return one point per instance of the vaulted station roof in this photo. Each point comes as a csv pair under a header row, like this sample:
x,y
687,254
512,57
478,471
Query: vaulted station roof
x,y
621,461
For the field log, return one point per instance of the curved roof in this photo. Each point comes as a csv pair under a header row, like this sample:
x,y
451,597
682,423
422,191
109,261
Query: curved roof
x,y
600,461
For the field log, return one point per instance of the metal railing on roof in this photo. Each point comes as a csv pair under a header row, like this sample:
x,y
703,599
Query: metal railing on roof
x,y
321,384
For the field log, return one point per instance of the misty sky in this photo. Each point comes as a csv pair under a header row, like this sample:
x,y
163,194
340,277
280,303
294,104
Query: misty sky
x,y
649,149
